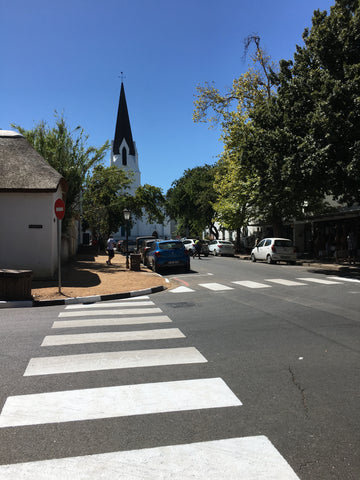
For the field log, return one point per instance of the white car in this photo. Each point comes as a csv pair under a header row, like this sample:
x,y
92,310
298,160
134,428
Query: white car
x,y
274,250
221,247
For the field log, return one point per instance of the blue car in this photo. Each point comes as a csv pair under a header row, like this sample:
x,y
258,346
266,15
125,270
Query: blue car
x,y
167,254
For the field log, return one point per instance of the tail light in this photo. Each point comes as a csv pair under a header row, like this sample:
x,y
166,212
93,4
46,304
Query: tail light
x,y
219,246
157,254
273,248
186,252
294,249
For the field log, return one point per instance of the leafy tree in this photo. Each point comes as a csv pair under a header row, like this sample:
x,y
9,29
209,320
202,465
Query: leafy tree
x,y
319,92
106,196
65,150
190,201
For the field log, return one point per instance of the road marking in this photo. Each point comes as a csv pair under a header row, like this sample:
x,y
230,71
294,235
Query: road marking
x,y
181,290
281,281
125,311
129,303
345,279
246,458
101,322
319,280
117,401
215,286
100,337
250,284
113,360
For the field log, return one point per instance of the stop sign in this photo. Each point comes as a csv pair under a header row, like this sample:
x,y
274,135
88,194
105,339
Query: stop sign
x,y
59,208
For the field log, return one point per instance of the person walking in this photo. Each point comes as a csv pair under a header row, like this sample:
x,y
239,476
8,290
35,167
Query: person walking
x,y
110,246
197,248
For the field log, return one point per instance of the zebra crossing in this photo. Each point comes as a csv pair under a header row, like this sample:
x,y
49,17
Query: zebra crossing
x,y
246,458
266,283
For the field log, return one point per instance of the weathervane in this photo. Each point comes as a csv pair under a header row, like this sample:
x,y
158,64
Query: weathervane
x,y
122,76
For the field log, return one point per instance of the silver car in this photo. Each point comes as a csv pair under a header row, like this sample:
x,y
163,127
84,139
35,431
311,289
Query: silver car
x,y
221,247
274,250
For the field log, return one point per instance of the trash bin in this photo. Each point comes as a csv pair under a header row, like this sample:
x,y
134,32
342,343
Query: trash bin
x,y
15,284
135,260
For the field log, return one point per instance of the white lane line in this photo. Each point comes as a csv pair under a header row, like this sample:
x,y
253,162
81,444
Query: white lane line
x,y
101,337
181,290
112,360
103,305
282,281
215,286
250,284
118,401
125,311
247,458
319,280
345,279
101,322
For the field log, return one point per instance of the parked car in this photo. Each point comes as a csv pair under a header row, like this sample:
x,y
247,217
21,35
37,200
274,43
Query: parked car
x,y
139,240
168,253
221,247
274,250
131,246
189,244
119,245
144,248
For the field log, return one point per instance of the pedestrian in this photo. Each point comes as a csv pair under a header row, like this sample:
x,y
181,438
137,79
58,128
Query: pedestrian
x,y
197,248
110,249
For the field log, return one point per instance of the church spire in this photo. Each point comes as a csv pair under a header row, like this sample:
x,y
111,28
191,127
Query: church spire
x,y
123,129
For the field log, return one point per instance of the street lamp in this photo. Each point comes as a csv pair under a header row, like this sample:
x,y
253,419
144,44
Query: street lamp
x,y
126,213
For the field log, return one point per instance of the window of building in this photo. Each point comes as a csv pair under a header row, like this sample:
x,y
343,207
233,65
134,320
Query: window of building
x,y
124,156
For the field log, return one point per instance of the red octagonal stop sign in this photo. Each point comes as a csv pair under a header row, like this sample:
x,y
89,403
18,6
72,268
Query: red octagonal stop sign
x,y
59,208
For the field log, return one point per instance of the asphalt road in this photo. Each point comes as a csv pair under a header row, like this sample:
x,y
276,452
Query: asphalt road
x,y
274,361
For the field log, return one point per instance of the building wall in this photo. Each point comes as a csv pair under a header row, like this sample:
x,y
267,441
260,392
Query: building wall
x,y
23,247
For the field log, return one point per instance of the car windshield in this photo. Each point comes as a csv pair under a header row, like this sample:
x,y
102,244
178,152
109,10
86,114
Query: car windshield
x,y
224,242
283,243
170,245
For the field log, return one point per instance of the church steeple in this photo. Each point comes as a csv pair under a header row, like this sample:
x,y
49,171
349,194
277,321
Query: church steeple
x,y
123,129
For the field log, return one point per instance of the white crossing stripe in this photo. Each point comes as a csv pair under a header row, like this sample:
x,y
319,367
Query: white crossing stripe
x,y
117,401
345,279
88,362
103,305
319,280
101,322
250,284
282,281
125,311
100,337
215,286
247,458
181,290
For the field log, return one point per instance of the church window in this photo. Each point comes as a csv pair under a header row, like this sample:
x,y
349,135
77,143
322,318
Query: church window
x,y
124,156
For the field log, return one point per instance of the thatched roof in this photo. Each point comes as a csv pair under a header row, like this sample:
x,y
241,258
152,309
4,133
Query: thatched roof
x,y
22,168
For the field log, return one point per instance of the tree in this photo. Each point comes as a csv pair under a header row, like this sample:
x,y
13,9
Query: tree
x,y
106,196
319,92
66,150
190,201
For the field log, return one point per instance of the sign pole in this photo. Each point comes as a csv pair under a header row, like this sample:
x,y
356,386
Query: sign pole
x,y
59,253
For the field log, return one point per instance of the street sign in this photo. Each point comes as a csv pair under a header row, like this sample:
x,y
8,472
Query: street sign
x,y
59,209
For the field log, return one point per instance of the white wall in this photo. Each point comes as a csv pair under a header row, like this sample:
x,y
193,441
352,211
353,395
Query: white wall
x,y
24,248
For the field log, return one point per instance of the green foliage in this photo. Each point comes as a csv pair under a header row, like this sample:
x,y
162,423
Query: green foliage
x,y
67,152
190,201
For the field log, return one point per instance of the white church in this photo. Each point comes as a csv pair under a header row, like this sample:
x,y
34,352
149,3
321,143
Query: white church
x,y
124,155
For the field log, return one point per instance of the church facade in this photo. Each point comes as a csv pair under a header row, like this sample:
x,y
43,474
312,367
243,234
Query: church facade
x,y
124,155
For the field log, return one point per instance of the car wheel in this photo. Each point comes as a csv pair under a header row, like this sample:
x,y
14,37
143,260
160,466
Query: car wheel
x,y
215,253
206,254
269,259
253,258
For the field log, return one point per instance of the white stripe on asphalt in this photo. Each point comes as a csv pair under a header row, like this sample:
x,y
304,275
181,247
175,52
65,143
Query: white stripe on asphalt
x,y
345,279
101,337
129,303
247,458
181,290
319,280
215,286
125,311
250,284
281,281
118,401
101,322
88,362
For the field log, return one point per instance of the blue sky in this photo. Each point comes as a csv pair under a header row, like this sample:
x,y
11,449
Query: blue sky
x,y
68,56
